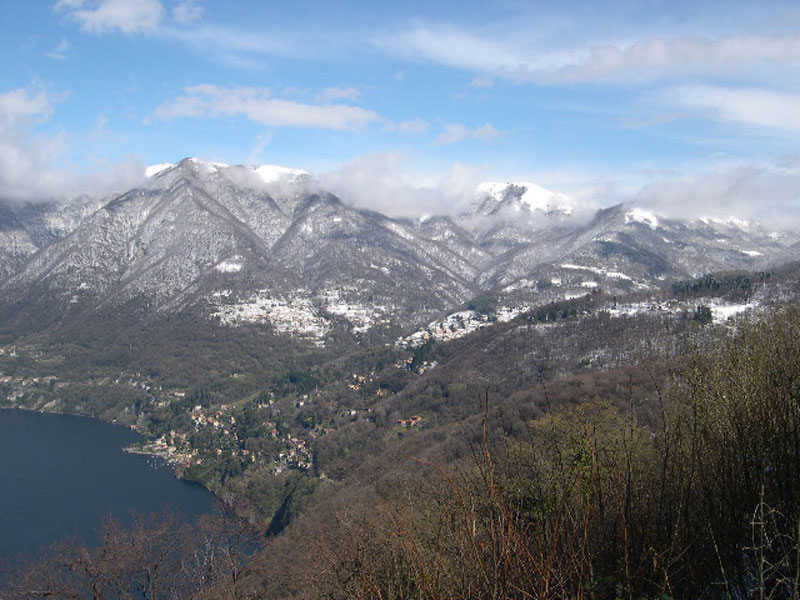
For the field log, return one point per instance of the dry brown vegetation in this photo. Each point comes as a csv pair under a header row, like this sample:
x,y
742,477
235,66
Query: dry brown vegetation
x,y
690,489
694,497
156,557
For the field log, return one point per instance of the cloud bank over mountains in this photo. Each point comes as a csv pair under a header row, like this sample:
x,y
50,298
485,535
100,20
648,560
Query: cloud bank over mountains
x,y
392,184
686,110
31,163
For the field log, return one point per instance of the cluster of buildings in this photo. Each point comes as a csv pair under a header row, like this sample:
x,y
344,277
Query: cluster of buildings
x,y
176,448
172,446
297,315
408,364
457,325
412,421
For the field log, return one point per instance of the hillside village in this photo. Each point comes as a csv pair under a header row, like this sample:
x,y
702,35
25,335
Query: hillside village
x,y
277,428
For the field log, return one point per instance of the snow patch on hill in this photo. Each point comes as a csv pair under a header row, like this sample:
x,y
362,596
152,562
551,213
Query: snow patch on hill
x,y
729,221
721,311
459,324
229,265
534,197
275,174
291,315
638,215
597,271
360,316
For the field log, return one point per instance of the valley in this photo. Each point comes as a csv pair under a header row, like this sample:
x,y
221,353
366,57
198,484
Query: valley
x,y
284,349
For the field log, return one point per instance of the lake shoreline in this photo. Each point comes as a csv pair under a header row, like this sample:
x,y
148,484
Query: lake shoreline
x,y
69,475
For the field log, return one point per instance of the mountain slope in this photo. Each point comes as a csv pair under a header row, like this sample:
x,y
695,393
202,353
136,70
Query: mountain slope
x,y
266,244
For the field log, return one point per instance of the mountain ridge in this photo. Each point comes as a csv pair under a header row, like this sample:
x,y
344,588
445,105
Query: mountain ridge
x,y
226,241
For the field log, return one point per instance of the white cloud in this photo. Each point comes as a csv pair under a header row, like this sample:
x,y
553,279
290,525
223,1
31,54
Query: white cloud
x,y
453,132
60,51
128,16
654,57
237,48
514,58
759,192
765,108
387,183
452,47
484,132
234,47
414,126
332,94
17,108
456,132
482,81
261,141
258,105
187,11
28,160
21,154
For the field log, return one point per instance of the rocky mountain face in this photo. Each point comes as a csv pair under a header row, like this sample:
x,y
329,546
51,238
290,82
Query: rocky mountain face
x,y
27,227
241,244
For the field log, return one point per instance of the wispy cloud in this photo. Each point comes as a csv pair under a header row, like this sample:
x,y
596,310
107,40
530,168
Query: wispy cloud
x,y
259,106
764,108
645,59
187,11
100,16
235,47
21,153
411,127
654,58
332,94
388,183
482,81
457,132
452,47
231,46
260,142
758,192
18,107
60,51
28,160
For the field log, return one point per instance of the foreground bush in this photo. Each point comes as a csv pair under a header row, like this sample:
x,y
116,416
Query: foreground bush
x,y
695,496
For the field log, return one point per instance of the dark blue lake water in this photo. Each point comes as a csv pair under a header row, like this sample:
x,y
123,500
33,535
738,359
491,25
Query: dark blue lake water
x,y
60,476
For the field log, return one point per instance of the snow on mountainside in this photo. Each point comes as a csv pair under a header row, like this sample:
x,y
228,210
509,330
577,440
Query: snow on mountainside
x,y
196,237
265,244
266,173
27,227
638,215
274,173
494,198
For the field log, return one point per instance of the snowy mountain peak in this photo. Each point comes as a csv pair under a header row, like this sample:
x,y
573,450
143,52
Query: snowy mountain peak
x,y
275,173
266,173
729,221
192,163
207,166
522,195
206,236
639,215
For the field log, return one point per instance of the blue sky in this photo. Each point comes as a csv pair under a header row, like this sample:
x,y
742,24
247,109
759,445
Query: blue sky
x,y
689,109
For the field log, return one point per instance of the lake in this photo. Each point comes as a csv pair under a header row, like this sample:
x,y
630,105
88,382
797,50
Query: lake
x,y
61,475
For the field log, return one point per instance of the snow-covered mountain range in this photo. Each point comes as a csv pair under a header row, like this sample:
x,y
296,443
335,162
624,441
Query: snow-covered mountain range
x,y
265,243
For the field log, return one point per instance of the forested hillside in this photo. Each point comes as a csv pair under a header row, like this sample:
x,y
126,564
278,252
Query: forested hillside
x,y
577,450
